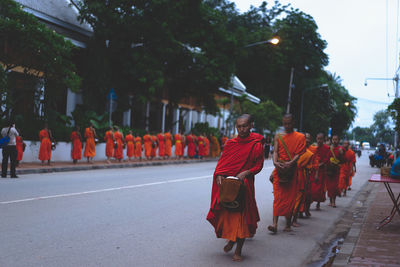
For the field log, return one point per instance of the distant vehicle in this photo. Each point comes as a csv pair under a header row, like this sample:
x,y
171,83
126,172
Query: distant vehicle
x,y
366,146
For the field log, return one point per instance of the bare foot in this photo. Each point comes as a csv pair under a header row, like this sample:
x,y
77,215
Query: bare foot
x,y
237,258
228,247
273,229
294,224
287,229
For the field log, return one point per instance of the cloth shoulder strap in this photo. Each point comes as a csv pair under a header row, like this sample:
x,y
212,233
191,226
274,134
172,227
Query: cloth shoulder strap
x,y
333,153
284,146
9,128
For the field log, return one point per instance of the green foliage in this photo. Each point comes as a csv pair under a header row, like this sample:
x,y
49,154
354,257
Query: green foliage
x,y
267,115
83,117
363,134
204,128
394,110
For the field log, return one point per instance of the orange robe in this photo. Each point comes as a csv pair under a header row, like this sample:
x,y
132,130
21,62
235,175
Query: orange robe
x,y
138,147
305,165
318,183
154,146
161,145
130,145
285,193
90,146
183,139
45,145
108,137
168,144
215,148
200,141
239,155
76,153
148,142
20,148
119,150
178,145
206,146
346,169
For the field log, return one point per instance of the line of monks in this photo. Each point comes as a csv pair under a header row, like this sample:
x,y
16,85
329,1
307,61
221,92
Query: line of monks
x,y
137,147
304,173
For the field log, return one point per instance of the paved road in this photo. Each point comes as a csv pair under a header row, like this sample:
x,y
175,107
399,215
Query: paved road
x,y
151,216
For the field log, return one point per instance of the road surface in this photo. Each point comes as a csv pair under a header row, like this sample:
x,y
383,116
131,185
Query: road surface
x,y
150,216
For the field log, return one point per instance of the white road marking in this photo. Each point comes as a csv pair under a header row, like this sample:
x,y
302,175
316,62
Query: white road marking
x,y
106,190
109,189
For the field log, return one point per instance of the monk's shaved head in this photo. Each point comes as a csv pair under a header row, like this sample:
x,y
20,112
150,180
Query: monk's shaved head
x,y
288,116
247,117
321,135
320,139
288,122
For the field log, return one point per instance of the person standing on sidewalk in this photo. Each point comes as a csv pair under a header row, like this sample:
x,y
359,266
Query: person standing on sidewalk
x,y
90,146
119,149
318,191
333,171
130,145
10,150
109,138
45,144
76,139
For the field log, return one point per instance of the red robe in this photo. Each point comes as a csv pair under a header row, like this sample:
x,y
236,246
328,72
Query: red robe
x,y
191,146
119,150
285,193
45,145
109,138
332,181
76,152
20,148
239,154
318,192
200,141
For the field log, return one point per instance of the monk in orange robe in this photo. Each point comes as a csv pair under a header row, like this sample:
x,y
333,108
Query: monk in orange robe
x,y
76,153
183,139
130,145
318,183
20,148
148,143
154,146
109,138
119,149
285,162
168,144
161,145
206,146
305,165
346,168
215,147
90,146
178,145
45,145
201,146
138,147
332,181
191,139
243,158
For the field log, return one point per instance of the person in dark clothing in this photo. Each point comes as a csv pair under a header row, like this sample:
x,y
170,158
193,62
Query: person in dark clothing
x,y
9,151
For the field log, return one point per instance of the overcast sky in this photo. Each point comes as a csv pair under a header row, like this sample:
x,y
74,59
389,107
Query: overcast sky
x,y
356,34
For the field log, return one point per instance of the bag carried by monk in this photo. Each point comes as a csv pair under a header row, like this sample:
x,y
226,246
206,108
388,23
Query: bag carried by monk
x,y
286,175
333,166
231,194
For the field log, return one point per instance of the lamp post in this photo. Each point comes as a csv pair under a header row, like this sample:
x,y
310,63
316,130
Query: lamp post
x,y
302,102
274,41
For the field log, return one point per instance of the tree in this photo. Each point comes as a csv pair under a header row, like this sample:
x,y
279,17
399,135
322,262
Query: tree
x,y
363,134
382,127
157,49
29,48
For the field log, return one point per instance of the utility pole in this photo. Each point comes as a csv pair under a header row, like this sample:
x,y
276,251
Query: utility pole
x,y
290,91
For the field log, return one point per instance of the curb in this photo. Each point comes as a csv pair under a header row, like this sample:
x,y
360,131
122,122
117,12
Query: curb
x,y
338,245
108,166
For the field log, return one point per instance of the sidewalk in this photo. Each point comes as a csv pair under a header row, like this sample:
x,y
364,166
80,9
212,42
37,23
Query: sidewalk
x,y
364,245
29,168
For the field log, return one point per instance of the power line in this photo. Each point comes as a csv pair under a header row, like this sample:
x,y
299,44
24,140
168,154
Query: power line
x,y
373,101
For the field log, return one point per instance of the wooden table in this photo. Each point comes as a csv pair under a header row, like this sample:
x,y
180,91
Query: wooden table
x,y
396,203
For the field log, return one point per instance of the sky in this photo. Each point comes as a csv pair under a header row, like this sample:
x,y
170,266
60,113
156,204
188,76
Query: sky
x,y
361,37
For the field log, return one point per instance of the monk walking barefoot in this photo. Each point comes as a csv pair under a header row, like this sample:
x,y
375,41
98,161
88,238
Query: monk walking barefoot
x,y
288,147
243,157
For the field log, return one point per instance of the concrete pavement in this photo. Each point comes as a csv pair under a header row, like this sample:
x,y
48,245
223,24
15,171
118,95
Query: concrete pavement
x,y
150,216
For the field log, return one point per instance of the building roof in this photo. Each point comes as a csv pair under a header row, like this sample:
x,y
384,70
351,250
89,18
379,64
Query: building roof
x,y
239,89
57,12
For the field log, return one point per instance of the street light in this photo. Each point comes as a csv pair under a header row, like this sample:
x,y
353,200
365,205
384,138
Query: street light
x,y
347,103
274,41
